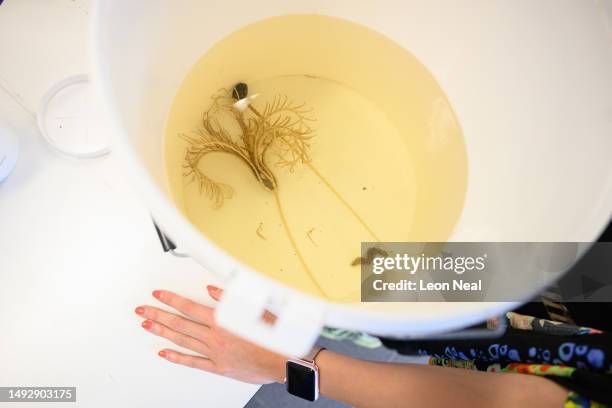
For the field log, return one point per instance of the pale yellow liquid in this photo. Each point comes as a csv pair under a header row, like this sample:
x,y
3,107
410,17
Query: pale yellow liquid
x,y
388,159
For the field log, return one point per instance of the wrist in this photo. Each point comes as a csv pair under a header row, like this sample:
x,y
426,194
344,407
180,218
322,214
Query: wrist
x,y
278,368
302,378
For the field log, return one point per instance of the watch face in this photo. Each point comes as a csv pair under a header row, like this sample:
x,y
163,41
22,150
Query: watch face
x,y
301,381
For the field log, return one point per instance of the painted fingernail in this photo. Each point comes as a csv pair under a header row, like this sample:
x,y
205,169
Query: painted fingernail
x,y
147,324
157,294
162,353
140,310
212,289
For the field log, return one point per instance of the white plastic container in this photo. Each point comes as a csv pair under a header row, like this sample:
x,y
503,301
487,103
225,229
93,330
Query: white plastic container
x,y
9,151
531,83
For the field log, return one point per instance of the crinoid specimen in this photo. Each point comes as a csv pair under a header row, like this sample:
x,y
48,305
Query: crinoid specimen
x,y
281,130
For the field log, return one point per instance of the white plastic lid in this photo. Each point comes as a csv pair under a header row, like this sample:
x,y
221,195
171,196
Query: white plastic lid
x,y
69,121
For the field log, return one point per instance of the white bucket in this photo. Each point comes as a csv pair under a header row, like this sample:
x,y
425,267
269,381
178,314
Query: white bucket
x,y
531,84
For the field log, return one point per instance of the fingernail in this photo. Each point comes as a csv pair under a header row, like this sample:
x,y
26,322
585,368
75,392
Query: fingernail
x,y
140,310
162,353
212,289
147,324
157,294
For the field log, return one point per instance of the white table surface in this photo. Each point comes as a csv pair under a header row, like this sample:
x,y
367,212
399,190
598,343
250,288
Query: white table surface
x,y
78,251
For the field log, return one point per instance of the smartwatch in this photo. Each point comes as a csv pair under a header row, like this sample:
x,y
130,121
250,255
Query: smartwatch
x,y
302,377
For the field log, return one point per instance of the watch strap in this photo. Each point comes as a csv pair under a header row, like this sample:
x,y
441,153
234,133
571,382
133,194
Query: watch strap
x,y
312,355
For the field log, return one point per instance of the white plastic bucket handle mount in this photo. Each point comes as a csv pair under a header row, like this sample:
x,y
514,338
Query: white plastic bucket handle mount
x,y
245,300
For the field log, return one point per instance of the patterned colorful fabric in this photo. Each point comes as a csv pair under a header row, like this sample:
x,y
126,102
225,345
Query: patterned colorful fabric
x,y
543,370
576,401
359,338
553,372
581,365
446,362
545,326
527,340
578,358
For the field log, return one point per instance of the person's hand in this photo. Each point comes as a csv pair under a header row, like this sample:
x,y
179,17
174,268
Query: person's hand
x,y
218,351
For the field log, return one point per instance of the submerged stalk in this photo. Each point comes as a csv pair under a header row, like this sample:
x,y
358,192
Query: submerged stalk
x,y
326,183
281,213
281,127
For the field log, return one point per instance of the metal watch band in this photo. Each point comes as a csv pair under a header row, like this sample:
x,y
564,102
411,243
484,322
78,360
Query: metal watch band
x,y
310,357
